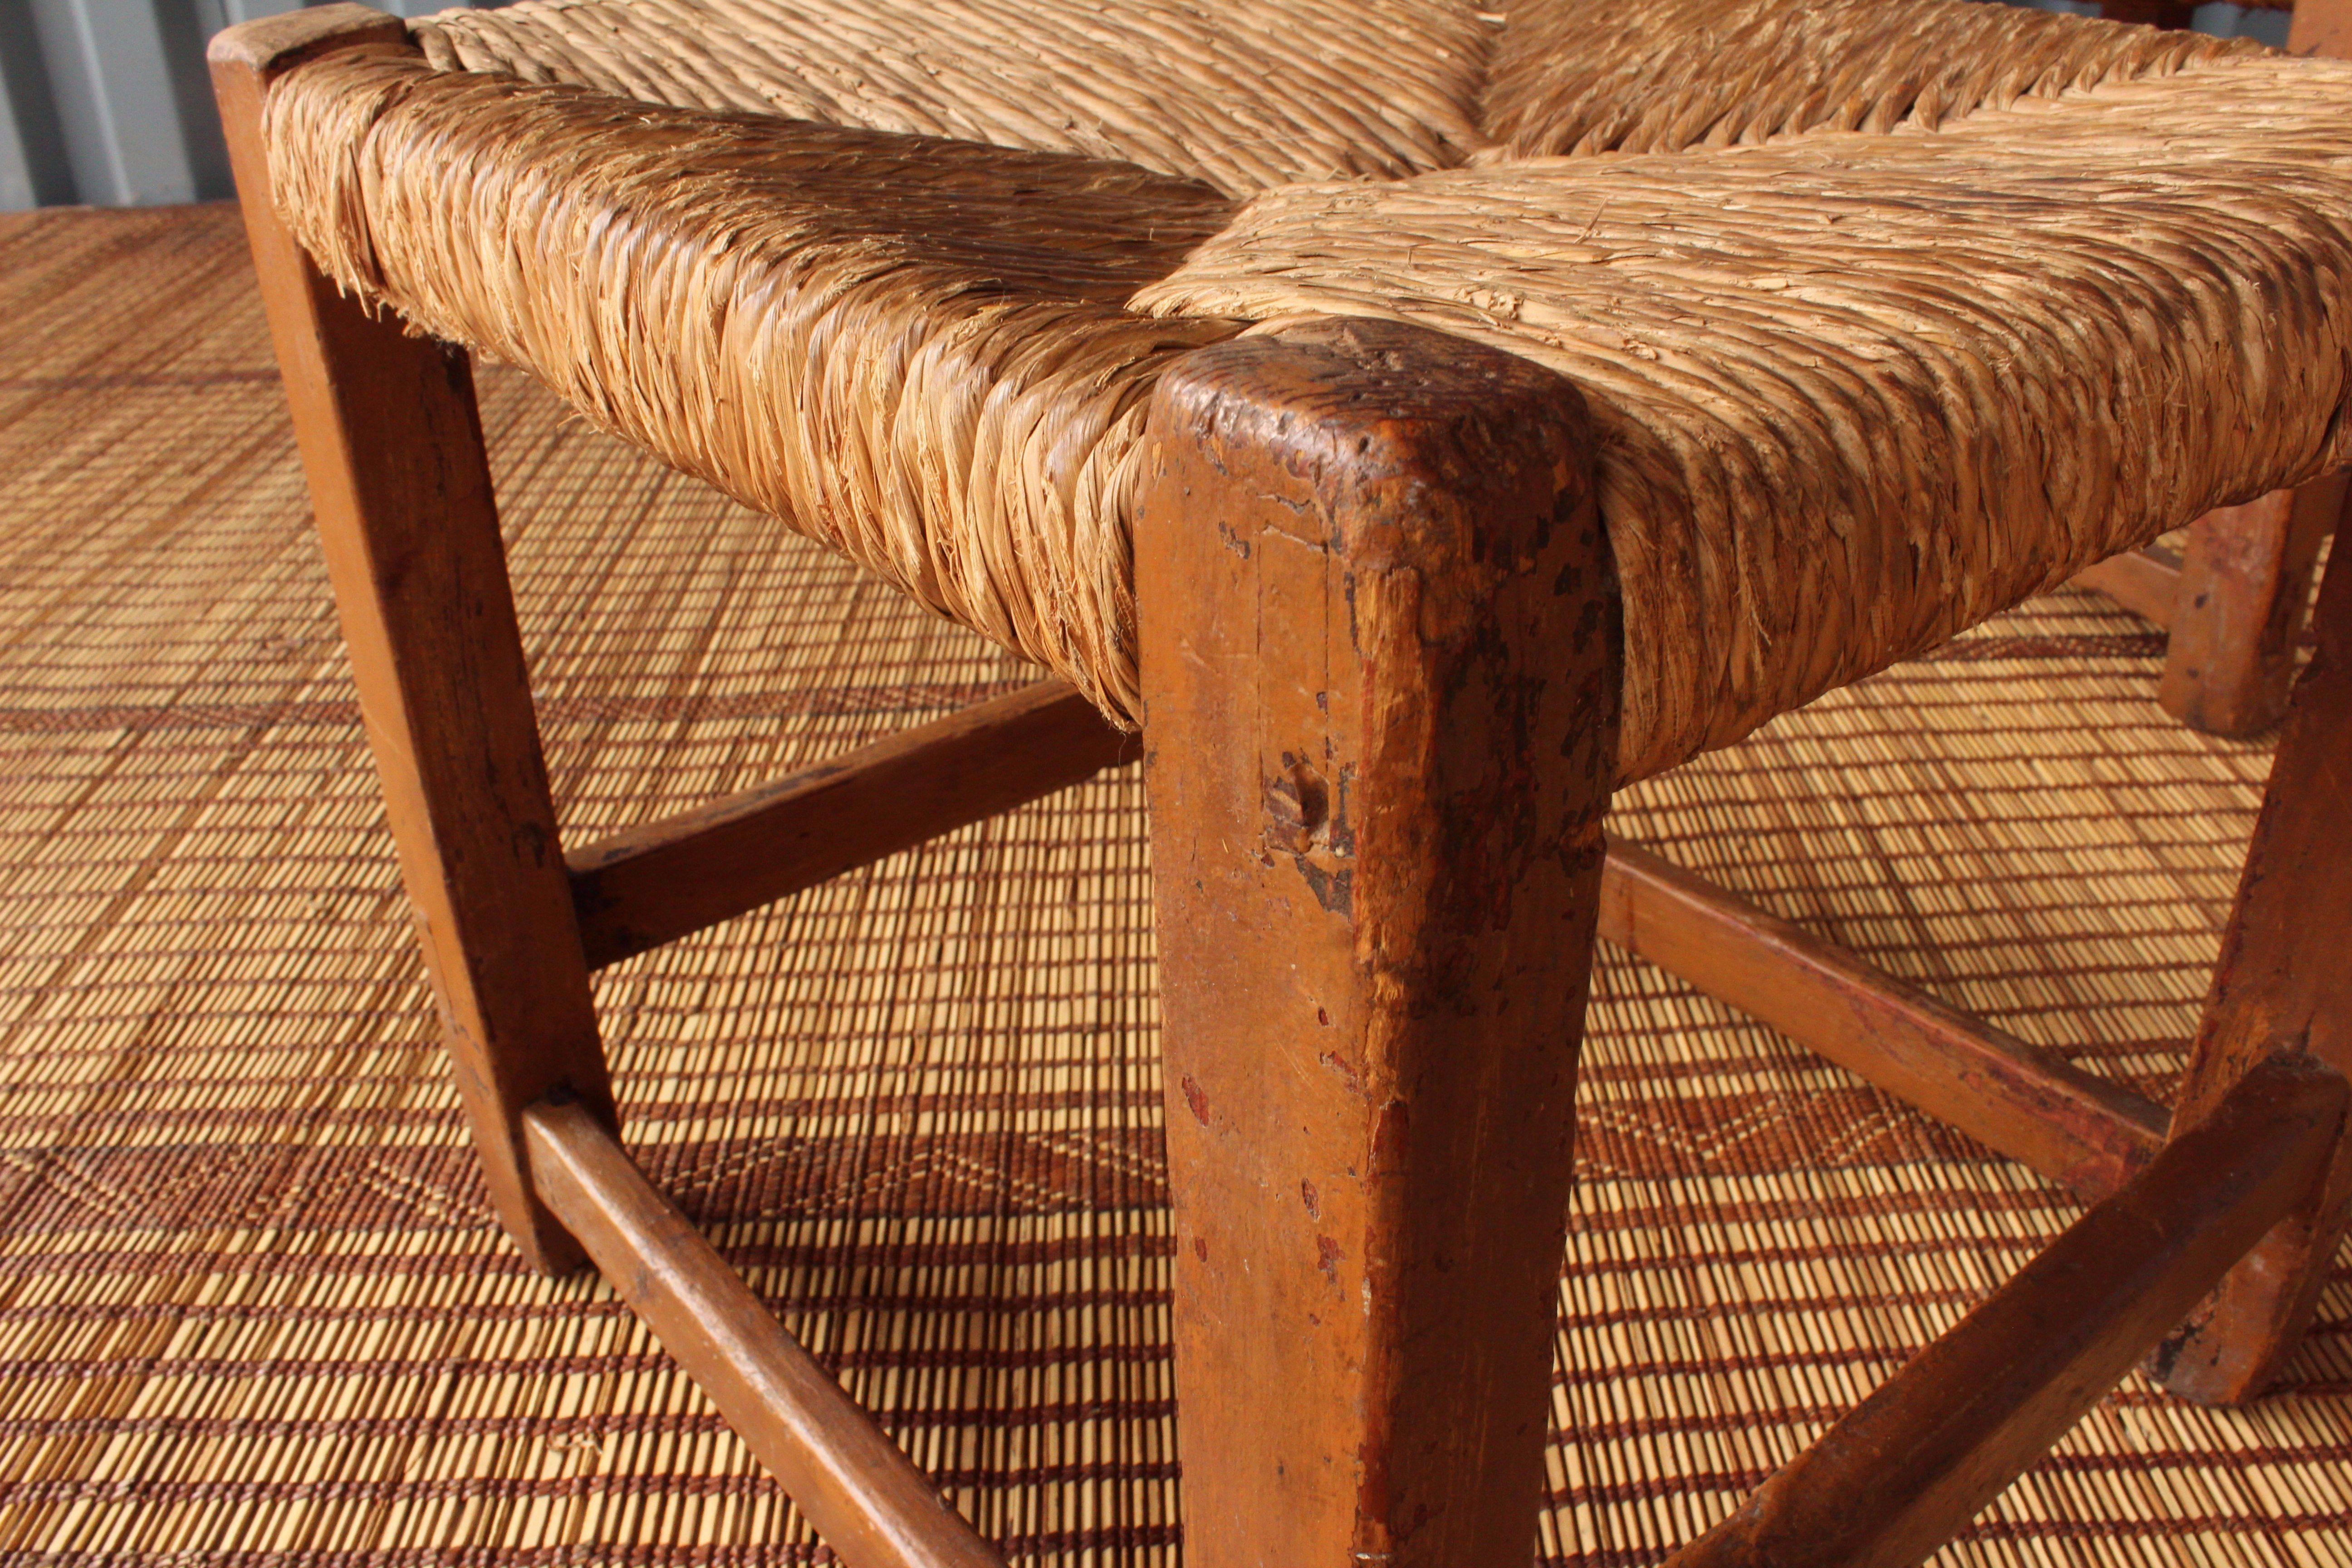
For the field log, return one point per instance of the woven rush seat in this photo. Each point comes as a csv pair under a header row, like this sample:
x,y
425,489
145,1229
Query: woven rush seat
x,y
1889,315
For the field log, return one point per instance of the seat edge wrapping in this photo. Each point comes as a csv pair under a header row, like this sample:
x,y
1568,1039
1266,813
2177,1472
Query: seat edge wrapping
x,y
1856,391
914,351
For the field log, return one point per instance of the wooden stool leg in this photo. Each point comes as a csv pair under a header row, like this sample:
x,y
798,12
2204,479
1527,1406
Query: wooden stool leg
x,y
2283,987
1379,657
2244,581
393,447
2321,27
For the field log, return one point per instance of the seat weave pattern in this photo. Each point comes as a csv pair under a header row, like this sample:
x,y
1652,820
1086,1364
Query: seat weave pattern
x,y
1858,392
1242,95
1888,318
1664,76
914,350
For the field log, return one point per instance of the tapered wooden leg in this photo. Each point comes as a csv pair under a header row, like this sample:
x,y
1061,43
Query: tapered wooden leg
x,y
2244,581
393,447
1379,657
2284,986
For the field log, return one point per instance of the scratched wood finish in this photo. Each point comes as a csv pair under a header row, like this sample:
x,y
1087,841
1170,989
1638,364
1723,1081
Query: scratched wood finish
x,y
391,445
2147,581
2283,987
1381,664
2029,1104
1920,1457
2244,581
654,884
856,1487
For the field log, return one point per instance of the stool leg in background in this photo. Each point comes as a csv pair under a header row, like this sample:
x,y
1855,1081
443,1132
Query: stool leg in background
x,y
2245,580
1381,664
391,445
2281,984
2283,987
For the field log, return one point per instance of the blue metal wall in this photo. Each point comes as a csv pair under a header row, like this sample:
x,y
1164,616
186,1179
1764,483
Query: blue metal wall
x,y
105,101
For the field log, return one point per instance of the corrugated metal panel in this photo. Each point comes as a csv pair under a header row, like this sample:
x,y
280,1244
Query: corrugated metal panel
x,y
105,100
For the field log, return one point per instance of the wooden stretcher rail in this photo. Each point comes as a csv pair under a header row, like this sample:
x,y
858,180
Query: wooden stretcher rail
x,y
856,1487
1935,1443
2028,1103
2145,582
667,879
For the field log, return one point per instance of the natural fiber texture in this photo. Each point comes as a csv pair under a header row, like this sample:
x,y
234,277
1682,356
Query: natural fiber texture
x,y
1857,391
1243,94
1661,76
913,349
253,1309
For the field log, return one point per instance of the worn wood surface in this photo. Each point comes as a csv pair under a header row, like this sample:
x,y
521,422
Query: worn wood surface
x,y
2031,1104
267,47
1379,658
855,1486
2283,987
2244,582
2147,581
657,883
391,445
2322,27
1894,1479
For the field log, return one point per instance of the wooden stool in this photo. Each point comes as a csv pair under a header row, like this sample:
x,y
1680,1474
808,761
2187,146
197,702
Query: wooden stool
x,y
1381,656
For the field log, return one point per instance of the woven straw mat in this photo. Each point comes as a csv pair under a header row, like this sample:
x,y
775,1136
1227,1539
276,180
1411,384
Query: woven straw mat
x,y
253,1309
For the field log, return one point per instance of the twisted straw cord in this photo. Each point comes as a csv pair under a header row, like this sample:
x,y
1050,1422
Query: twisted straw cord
x,y
912,350
1242,96
1662,76
1857,392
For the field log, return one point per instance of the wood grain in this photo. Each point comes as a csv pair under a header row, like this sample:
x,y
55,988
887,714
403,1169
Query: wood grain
x,y
855,1486
2322,27
391,445
2282,988
1381,664
1894,1479
2031,1104
267,48
2147,581
2245,579
657,883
